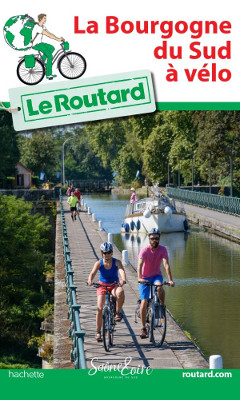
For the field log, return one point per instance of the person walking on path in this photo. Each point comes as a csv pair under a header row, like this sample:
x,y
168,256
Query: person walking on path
x,y
72,201
149,270
108,268
78,195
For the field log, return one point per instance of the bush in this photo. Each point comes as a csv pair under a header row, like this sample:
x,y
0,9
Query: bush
x,y
25,247
221,191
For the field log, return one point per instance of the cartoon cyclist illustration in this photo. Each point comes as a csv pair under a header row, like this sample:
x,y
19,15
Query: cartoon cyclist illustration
x,y
24,34
46,49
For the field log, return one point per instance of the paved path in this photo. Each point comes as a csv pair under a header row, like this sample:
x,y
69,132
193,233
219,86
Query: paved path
x,y
229,219
176,352
222,223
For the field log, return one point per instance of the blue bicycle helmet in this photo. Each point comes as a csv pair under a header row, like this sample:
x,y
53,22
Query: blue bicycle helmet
x,y
106,247
154,231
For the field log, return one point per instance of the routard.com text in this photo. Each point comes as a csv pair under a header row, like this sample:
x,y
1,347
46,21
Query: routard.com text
x,y
209,374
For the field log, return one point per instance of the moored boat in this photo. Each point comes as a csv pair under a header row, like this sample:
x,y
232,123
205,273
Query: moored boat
x,y
158,211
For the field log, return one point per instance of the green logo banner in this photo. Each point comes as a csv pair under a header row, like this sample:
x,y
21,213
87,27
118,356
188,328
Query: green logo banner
x,y
89,99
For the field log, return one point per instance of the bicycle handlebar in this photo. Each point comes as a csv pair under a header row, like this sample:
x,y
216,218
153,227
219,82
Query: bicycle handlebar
x,y
152,284
97,285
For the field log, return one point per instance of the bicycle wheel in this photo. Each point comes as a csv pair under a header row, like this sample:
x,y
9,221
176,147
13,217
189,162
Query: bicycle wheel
x,y
72,65
106,329
113,322
158,325
148,321
31,76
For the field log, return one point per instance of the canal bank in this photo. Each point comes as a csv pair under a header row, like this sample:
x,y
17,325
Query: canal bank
x,y
223,224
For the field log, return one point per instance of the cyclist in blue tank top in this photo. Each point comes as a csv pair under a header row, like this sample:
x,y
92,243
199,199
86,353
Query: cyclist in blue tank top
x,y
108,268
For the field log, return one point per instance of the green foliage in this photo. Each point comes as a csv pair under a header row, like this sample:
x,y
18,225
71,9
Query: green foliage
x,y
14,366
221,191
38,153
24,245
147,143
9,153
46,311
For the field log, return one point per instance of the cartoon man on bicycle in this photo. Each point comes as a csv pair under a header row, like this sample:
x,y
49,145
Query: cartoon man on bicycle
x,y
22,33
46,49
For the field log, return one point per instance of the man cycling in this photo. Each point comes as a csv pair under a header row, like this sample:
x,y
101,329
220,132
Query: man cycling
x,y
47,49
72,201
149,269
108,268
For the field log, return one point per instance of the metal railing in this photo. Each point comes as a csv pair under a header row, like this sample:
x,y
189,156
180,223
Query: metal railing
x,y
226,204
75,331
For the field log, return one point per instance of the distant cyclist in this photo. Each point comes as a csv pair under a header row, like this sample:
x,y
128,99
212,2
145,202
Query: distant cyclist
x,y
108,268
70,190
46,49
72,201
149,269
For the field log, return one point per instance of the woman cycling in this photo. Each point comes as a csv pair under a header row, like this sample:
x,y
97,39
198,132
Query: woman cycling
x,y
108,268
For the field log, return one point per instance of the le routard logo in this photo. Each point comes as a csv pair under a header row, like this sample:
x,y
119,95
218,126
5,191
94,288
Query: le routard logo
x,y
24,34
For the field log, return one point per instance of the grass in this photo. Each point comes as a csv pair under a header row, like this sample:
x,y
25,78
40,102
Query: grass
x,y
17,357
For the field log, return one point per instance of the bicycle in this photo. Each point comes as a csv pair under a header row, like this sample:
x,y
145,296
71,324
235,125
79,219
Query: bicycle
x,y
156,321
108,316
71,65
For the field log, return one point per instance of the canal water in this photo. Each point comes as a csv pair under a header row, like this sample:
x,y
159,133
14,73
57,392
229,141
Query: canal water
x,y
206,270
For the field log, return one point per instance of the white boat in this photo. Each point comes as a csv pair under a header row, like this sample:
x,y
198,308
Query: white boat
x,y
158,211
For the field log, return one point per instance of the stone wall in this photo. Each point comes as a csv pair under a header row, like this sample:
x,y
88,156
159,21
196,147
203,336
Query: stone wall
x,y
32,195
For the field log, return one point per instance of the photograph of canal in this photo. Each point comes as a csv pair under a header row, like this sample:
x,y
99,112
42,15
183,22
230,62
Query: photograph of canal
x,y
175,168
206,269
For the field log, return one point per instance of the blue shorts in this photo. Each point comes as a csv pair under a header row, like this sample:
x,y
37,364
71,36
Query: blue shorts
x,y
144,290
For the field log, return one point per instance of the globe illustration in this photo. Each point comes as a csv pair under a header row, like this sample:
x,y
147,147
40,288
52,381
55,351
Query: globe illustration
x,y
18,32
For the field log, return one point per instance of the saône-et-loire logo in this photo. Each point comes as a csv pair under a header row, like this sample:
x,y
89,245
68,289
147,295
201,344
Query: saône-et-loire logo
x,y
89,99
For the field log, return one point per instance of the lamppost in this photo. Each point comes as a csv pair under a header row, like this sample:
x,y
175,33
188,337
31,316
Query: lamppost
x,y
192,170
179,172
168,171
210,169
231,169
63,167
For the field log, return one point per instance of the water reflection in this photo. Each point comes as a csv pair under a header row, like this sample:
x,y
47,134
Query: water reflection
x,y
206,269
174,242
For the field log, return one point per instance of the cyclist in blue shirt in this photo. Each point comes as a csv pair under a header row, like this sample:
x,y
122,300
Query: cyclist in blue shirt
x,y
108,268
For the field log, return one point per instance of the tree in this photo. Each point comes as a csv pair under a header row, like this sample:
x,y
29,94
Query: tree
x,y
81,163
218,131
106,139
9,153
24,244
155,157
39,153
